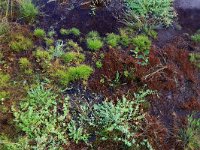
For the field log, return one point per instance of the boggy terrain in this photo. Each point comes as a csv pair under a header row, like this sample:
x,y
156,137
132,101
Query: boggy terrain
x,y
99,75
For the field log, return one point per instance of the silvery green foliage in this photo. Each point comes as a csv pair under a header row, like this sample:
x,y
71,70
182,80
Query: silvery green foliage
x,y
150,12
37,116
58,50
118,122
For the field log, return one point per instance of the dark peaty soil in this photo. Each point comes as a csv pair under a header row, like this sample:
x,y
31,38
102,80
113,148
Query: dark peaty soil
x,y
76,15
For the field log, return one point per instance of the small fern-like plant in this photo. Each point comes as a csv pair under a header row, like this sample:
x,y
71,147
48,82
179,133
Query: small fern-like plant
x,y
190,136
150,12
38,118
28,10
118,122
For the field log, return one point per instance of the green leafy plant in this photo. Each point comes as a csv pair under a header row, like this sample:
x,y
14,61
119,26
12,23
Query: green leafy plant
x,y
112,39
38,117
73,57
151,12
195,59
196,38
40,33
77,133
21,143
118,122
28,10
142,42
20,43
152,33
142,49
190,136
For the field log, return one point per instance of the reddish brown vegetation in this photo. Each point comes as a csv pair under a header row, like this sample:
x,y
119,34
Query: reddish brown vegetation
x,y
156,133
191,104
168,69
169,72
114,62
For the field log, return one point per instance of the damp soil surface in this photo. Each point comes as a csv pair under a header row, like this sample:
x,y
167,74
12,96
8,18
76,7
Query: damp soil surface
x,y
79,15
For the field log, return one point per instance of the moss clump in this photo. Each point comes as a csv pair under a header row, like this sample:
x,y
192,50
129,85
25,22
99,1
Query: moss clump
x,y
112,39
4,79
62,76
64,31
73,57
40,33
72,31
124,38
81,72
25,65
4,95
94,44
49,41
142,42
42,55
71,45
43,58
20,43
99,64
93,34
28,10
4,27
93,41
75,31
1,56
